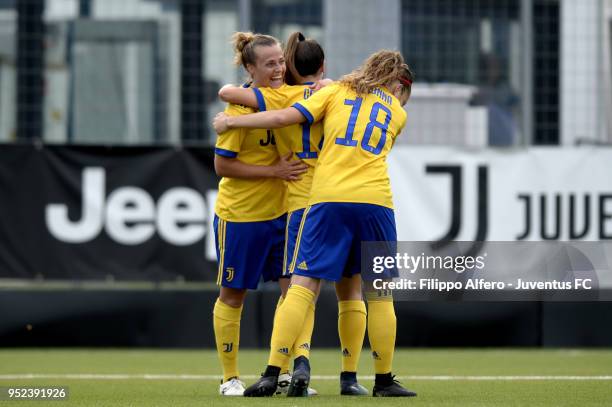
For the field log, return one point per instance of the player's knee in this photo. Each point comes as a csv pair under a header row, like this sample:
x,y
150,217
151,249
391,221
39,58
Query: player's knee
x,y
232,297
349,289
284,285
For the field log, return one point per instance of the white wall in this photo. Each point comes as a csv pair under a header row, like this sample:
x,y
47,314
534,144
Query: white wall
x,y
219,26
356,28
582,94
168,13
606,123
8,23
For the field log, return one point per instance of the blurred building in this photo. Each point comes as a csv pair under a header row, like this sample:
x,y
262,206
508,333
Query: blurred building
x,y
489,72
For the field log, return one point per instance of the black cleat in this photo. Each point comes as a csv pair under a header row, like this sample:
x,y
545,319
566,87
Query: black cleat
x,y
352,389
264,387
349,385
300,379
391,388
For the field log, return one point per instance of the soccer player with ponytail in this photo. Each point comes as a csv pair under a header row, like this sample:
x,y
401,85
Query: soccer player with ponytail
x,y
350,202
304,59
250,213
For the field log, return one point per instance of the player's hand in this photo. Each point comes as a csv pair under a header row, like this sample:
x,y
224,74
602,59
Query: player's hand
x,y
321,83
220,123
289,170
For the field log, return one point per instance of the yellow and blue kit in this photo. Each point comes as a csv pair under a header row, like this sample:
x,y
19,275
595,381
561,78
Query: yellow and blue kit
x,y
304,140
250,214
350,200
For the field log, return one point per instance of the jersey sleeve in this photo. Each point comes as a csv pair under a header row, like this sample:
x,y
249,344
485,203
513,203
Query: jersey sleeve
x,y
228,144
272,99
313,108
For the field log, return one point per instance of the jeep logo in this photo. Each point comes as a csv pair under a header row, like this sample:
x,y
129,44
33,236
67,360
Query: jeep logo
x,y
129,215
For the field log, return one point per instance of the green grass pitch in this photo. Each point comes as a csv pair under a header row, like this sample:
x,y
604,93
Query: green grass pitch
x,y
444,378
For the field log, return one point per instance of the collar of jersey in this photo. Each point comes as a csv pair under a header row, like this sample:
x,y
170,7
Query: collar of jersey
x,y
389,92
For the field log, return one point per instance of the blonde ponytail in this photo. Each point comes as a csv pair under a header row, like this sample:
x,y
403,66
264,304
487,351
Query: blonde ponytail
x,y
380,69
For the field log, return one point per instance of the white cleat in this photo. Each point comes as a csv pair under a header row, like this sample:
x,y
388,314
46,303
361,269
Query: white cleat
x,y
284,380
232,387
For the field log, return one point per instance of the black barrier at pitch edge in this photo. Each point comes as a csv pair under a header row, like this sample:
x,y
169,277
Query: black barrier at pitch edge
x,y
183,319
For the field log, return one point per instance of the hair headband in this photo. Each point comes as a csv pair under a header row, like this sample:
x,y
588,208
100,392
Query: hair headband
x,y
405,81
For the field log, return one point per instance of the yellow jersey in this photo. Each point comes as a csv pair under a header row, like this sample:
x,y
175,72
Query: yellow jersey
x,y
304,140
249,200
359,133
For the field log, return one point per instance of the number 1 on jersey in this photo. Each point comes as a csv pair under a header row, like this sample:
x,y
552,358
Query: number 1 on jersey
x,y
306,153
347,140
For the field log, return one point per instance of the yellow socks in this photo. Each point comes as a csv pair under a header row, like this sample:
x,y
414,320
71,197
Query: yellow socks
x,y
226,321
288,323
285,366
381,332
301,347
351,329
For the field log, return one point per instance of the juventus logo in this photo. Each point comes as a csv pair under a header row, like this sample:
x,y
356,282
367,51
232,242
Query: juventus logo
x,y
230,274
456,175
482,212
228,347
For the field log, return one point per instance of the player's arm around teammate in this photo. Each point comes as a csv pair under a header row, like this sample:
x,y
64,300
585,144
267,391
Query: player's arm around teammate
x,y
251,206
311,57
351,201
304,59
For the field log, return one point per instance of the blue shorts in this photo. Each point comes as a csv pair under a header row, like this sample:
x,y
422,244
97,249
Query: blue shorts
x,y
294,219
329,242
248,251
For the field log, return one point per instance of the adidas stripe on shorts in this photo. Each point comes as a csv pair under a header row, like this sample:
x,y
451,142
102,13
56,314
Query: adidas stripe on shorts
x,y
330,235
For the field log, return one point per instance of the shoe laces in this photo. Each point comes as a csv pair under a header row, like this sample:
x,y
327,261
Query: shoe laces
x,y
228,380
235,380
391,382
232,381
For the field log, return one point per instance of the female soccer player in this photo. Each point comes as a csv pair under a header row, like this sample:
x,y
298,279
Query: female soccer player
x,y
350,202
251,207
304,59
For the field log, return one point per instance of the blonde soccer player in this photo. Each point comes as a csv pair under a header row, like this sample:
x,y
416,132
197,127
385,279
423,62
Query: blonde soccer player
x,y
304,59
350,202
250,212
